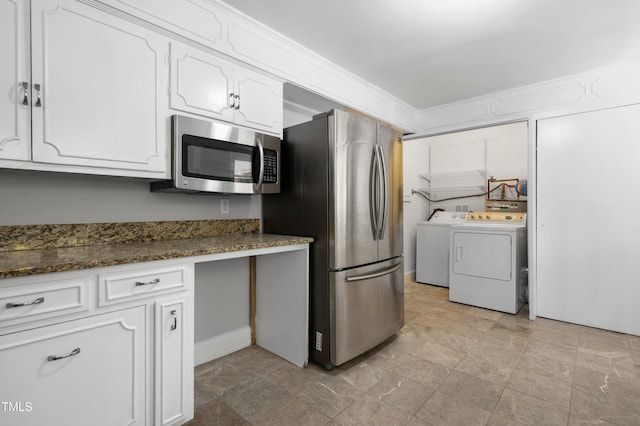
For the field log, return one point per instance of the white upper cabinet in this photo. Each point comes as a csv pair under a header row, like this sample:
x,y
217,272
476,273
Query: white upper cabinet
x,y
14,81
201,83
258,101
98,88
206,85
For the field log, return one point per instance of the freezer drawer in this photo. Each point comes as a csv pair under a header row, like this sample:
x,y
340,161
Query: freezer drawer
x,y
367,305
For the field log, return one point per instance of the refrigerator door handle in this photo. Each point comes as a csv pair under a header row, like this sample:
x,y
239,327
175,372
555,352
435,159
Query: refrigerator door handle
x,y
375,274
373,191
385,193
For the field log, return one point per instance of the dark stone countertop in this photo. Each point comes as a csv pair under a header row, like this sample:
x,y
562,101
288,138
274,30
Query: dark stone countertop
x,y
57,259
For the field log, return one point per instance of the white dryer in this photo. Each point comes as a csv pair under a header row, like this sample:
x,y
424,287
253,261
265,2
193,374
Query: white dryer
x,y
488,261
432,247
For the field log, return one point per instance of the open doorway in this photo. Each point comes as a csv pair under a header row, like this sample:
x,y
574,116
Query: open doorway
x,y
451,172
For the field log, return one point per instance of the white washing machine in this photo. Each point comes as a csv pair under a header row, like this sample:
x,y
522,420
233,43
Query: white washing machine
x,y
432,247
488,261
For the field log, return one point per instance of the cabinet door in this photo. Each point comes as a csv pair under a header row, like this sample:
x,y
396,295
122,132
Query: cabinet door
x,y
14,81
174,362
101,83
201,83
260,101
98,378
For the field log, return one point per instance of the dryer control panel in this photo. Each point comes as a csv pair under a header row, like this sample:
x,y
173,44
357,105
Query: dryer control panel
x,y
496,217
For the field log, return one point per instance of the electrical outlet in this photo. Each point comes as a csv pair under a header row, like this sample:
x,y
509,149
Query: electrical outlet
x,y
318,341
224,206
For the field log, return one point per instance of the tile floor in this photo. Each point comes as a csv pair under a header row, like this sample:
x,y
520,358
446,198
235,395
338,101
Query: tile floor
x,y
451,364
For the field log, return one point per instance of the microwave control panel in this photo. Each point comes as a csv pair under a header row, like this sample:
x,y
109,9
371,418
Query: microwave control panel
x,y
270,166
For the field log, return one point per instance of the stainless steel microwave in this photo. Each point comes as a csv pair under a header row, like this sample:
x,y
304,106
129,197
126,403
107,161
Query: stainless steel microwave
x,y
214,157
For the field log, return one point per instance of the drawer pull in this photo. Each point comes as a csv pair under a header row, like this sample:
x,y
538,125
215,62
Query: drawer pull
x,y
156,281
175,319
74,352
38,301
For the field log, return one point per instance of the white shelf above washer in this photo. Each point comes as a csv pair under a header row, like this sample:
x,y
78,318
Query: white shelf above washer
x,y
467,174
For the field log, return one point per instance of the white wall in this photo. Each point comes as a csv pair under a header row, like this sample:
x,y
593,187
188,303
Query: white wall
x,y
500,150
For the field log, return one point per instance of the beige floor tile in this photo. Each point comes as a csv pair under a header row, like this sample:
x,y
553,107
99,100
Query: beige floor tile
x,y
539,386
254,399
606,402
330,395
496,420
488,363
290,412
217,413
554,351
371,411
556,369
578,420
452,364
413,367
527,410
442,409
361,374
477,392
404,394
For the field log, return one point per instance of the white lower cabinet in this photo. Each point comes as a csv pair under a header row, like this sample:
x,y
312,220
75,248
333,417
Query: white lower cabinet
x,y
174,362
70,356
89,371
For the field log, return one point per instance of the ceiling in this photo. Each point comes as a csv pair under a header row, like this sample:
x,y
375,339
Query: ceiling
x,y
432,52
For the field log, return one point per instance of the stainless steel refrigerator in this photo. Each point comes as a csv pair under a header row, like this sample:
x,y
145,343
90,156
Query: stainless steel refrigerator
x,y
342,185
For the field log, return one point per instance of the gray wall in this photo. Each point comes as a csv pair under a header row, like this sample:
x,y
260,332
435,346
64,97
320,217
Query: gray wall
x,y
28,198
221,297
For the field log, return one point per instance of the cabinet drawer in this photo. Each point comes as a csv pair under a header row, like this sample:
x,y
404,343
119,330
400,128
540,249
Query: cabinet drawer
x,y
43,300
140,283
89,371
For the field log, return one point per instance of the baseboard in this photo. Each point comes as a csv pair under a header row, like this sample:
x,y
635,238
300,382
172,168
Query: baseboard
x,y
222,345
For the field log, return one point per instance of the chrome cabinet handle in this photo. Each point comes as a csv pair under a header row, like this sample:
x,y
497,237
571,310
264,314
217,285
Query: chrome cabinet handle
x,y
74,352
25,93
237,102
232,101
38,95
174,314
38,301
156,281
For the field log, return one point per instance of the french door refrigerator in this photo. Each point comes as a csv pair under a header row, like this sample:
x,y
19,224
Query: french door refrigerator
x,y
342,185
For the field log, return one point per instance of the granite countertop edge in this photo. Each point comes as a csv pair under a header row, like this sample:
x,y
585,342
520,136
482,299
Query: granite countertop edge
x,y
33,262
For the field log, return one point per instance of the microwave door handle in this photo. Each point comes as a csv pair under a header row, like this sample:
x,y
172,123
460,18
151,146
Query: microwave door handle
x,y
258,185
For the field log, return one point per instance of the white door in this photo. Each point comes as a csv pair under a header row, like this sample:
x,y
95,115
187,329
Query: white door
x,y
85,372
201,84
587,234
103,89
482,255
15,82
259,102
174,362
